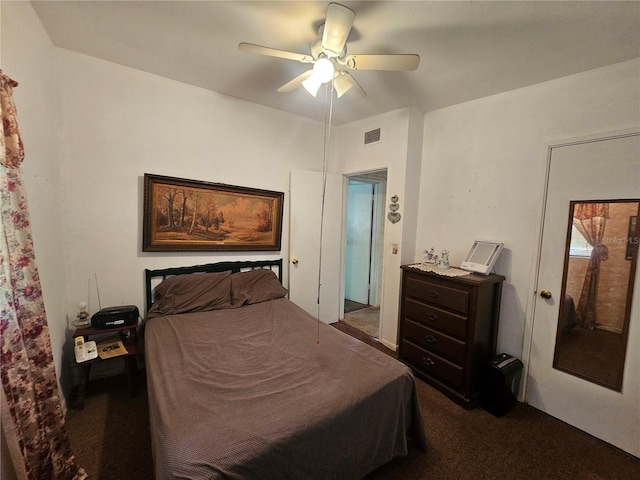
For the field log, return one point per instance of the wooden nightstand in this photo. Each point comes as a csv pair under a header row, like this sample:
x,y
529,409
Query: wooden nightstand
x,y
129,336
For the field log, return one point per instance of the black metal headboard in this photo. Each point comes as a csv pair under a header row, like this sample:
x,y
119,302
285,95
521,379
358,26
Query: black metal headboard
x,y
235,267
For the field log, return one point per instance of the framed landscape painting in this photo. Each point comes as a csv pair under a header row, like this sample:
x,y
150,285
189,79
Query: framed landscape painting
x,y
183,215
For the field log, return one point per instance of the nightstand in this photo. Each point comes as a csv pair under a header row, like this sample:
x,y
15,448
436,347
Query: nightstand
x,y
129,336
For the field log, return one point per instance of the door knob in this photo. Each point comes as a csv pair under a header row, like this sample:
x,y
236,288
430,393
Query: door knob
x,y
294,261
546,294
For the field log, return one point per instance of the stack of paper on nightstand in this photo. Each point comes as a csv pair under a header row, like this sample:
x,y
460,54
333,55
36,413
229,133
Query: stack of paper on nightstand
x,y
112,347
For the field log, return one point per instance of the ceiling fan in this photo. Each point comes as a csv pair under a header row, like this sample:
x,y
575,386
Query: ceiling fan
x,y
329,56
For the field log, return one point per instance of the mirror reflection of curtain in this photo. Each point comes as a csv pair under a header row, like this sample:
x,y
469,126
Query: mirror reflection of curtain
x,y
590,220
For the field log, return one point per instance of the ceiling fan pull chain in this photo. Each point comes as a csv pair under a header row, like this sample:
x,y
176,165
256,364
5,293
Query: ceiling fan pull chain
x,y
325,155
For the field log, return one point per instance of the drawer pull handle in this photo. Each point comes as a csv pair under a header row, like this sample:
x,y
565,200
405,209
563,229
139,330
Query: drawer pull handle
x,y
432,317
433,293
428,361
430,339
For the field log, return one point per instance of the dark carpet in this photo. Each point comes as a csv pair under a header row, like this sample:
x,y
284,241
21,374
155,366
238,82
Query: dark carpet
x,y
110,436
111,440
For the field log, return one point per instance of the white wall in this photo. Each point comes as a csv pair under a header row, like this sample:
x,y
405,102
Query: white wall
x,y
120,123
399,152
484,166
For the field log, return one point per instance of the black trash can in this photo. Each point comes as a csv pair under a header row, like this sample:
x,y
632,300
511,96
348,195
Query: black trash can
x,y
500,384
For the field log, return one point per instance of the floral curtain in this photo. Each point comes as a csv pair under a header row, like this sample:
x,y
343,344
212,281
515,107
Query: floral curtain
x,y
590,220
30,397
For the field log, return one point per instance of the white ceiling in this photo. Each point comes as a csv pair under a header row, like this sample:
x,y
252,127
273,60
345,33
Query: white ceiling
x,y
468,50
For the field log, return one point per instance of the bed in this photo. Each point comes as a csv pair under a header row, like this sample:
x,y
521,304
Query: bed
x,y
244,384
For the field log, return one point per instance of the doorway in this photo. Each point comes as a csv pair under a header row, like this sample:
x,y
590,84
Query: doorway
x,y
363,253
596,174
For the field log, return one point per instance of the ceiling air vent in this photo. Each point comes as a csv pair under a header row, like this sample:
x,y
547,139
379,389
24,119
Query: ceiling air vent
x,y
372,136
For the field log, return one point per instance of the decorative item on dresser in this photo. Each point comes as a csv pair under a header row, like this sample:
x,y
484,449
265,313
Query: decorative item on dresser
x,y
448,329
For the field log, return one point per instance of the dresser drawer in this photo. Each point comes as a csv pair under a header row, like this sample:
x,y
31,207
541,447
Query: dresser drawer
x,y
433,365
433,317
435,341
437,294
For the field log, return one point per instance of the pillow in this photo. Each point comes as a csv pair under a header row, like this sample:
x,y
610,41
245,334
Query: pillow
x,y
197,292
255,286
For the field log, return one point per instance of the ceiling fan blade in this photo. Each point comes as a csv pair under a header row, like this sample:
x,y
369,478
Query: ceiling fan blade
x,y
400,62
272,52
336,29
295,83
344,82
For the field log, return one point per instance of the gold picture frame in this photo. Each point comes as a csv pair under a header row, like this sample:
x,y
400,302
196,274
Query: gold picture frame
x,y
183,215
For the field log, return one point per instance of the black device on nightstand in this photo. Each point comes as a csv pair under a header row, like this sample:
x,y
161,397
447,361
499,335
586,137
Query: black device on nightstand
x,y
112,317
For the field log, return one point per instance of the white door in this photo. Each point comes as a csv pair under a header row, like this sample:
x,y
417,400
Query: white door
x,y
358,250
603,169
307,260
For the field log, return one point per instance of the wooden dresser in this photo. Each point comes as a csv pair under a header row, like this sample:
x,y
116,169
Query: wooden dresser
x,y
448,329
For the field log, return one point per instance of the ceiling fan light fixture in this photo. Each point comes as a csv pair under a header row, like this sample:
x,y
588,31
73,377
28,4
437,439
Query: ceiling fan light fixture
x,y
323,69
312,85
341,84
323,72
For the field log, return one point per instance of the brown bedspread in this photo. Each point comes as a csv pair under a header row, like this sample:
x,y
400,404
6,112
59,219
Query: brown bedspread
x,y
247,393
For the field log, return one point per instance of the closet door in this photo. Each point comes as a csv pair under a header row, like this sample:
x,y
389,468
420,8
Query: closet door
x,y
315,280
